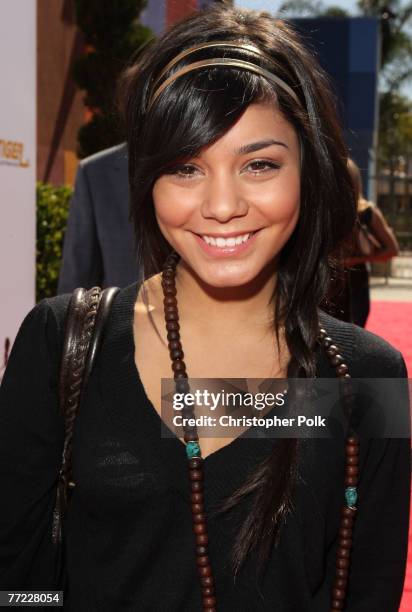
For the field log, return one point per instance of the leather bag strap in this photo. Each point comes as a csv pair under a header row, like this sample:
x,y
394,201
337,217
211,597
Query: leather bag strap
x,y
86,317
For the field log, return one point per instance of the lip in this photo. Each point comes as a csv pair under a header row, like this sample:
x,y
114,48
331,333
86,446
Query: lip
x,y
228,251
227,235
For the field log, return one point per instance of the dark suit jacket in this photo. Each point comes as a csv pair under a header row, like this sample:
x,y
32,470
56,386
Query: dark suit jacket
x,y
99,245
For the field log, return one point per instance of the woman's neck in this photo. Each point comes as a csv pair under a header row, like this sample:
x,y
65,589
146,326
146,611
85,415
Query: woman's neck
x,y
220,319
228,308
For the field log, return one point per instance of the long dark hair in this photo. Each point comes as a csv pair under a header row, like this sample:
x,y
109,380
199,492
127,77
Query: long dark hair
x,y
195,110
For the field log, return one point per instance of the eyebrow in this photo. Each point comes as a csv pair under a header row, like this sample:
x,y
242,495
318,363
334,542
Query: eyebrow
x,y
260,144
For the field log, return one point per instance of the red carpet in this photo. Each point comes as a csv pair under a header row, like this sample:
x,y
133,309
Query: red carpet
x,y
393,321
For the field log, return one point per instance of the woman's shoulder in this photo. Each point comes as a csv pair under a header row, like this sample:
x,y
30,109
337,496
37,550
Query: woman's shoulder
x,y
55,306
49,315
59,304
368,355
45,319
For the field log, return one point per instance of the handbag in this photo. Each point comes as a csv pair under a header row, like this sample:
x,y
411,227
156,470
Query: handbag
x,y
86,316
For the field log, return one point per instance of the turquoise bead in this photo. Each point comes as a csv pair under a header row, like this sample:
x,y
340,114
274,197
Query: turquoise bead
x,y
351,496
192,450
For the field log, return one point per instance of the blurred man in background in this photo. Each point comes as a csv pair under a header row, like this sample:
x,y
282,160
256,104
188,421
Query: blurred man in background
x,y
99,245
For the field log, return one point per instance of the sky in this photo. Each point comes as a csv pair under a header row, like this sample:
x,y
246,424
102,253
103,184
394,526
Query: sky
x,y
273,5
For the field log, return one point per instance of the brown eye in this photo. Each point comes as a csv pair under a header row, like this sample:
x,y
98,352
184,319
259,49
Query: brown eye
x,y
184,171
261,166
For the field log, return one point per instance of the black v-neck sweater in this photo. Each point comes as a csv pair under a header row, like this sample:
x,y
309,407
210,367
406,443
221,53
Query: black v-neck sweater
x,y
130,545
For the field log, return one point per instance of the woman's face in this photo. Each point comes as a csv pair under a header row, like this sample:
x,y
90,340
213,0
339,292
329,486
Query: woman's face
x,y
229,211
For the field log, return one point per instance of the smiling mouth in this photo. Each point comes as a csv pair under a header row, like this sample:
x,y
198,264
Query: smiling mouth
x,y
219,241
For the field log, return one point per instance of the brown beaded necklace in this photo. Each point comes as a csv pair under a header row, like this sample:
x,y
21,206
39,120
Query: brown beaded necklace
x,y
348,511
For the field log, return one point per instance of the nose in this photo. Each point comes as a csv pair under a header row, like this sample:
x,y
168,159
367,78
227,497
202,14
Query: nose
x,y
223,199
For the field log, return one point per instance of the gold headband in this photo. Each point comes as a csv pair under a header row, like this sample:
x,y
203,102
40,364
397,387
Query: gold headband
x,y
219,43
219,61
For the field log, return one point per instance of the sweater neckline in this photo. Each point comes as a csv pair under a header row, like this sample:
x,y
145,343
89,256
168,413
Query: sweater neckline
x,y
136,419
121,380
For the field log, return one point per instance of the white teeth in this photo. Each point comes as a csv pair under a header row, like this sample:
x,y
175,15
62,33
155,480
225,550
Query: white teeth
x,y
226,242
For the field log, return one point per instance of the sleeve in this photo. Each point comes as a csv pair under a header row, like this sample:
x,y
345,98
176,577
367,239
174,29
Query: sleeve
x,y
31,444
82,261
380,537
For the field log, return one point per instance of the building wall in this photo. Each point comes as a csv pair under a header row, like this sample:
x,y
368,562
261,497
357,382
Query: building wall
x,y
175,11
160,14
348,49
60,110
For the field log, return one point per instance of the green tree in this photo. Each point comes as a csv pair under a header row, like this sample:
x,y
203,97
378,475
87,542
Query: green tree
x,y
396,50
52,213
395,146
395,128
112,35
335,11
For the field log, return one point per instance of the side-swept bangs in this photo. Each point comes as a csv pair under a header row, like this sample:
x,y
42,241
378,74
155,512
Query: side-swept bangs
x,y
193,112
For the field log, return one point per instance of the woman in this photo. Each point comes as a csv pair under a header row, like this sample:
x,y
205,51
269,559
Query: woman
x,y
237,168
382,247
